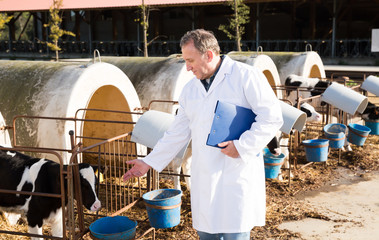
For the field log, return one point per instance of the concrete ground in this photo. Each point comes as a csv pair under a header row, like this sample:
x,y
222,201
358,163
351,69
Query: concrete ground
x,y
352,205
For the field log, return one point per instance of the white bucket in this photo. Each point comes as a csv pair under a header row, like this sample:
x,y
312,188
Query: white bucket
x,y
371,84
151,127
292,118
345,98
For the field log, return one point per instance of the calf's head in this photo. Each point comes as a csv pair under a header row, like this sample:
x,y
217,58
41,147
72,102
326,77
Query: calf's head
x,y
371,112
312,115
88,181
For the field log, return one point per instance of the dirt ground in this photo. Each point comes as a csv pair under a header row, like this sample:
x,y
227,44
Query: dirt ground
x,y
336,199
341,194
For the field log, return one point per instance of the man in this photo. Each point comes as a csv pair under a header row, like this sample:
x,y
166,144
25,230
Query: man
x,y
227,184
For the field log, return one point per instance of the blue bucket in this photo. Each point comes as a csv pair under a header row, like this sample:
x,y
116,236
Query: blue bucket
x,y
373,125
335,133
118,227
272,163
163,207
316,150
357,134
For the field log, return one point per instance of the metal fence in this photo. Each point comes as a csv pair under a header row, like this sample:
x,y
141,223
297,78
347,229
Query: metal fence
x,y
110,155
343,47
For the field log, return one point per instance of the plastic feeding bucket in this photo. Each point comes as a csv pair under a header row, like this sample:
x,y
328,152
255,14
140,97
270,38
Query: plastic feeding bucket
x,y
118,227
357,134
316,150
335,133
163,207
272,163
373,125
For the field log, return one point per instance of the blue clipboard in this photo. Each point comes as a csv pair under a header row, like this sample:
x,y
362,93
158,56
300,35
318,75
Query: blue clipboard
x,y
229,122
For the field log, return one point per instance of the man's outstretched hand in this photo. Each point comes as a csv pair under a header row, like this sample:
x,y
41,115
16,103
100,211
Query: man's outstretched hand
x,y
139,169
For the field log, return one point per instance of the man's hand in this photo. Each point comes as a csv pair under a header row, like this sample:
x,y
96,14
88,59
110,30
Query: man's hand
x,y
229,149
139,169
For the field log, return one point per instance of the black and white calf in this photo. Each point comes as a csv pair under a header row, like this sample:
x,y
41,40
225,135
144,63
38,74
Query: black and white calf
x,y
314,87
371,112
24,173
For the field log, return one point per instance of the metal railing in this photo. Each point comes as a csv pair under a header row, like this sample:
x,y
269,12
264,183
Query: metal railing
x,y
343,47
110,154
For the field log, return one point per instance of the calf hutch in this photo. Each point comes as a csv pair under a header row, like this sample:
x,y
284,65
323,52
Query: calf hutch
x,y
42,102
61,90
155,78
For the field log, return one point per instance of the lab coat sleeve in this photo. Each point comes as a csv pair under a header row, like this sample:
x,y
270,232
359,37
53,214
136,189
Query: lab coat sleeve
x,y
174,139
265,105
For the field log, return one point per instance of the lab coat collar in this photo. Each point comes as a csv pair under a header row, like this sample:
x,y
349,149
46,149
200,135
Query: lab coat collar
x,y
223,72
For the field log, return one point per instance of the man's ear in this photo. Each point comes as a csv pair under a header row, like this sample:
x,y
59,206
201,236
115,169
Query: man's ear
x,y
210,55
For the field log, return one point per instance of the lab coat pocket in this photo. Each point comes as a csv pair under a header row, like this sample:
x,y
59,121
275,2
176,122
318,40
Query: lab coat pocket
x,y
233,164
232,100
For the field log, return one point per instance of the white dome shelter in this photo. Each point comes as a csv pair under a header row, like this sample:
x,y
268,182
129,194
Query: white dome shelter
x,y
371,84
155,78
264,63
345,98
306,64
59,89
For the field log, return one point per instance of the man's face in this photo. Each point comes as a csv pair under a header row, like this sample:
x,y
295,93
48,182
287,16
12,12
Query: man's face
x,y
196,62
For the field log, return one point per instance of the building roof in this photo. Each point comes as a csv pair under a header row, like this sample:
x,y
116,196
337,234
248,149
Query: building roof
x,y
43,5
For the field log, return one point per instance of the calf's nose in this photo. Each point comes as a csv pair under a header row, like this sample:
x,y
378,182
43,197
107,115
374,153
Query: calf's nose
x,y
96,206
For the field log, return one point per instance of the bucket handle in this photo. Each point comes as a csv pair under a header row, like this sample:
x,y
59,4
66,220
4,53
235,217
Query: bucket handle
x,y
351,129
163,207
273,164
336,139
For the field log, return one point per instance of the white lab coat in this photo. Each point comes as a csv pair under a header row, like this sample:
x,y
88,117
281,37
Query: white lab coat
x,y
227,194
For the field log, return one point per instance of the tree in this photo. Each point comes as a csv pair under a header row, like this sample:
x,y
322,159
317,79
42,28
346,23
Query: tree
x,y
22,24
4,19
55,31
235,29
144,21
145,25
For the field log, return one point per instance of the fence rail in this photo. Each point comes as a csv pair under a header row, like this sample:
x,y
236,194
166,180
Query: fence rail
x,y
343,47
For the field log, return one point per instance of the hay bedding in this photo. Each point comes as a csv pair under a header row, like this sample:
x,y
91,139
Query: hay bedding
x,y
282,204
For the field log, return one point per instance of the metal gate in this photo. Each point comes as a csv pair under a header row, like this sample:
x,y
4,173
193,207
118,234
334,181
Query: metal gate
x,y
110,155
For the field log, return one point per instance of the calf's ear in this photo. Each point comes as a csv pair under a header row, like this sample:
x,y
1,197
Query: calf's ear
x,y
100,169
309,113
99,175
99,172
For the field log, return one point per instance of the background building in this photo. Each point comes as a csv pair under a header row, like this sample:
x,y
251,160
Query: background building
x,y
333,28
